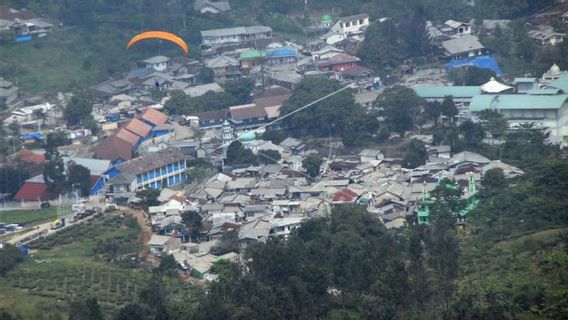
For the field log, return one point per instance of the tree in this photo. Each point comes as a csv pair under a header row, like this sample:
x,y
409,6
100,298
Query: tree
x,y
132,311
54,172
10,256
400,106
229,242
79,176
177,103
336,112
205,75
56,139
11,179
473,133
274,135
471,76
312,164
494,123
240,89
148,197
494,179
78,109
88,309
416,154
192,222
526,144
15,127
269,156
237,154
448,108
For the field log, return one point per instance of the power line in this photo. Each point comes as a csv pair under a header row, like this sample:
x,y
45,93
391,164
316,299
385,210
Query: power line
x,y
286,115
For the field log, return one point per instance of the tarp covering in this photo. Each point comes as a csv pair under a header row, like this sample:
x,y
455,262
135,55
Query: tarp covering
x,y
482,62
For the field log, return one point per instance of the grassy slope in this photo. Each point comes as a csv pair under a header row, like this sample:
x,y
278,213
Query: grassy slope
x,y
29,217
529,272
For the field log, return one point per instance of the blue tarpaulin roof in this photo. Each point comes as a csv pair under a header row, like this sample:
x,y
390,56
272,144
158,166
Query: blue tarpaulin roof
x,y
482,62
29,136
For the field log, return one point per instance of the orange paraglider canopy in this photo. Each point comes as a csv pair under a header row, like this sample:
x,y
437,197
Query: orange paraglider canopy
x,y
160,35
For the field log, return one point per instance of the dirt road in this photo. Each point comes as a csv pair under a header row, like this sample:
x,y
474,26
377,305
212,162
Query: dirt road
x,y
145,230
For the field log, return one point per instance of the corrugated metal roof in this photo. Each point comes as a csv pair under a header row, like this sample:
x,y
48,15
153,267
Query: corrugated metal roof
x,y
442,91
462,44
517,101
138,127
561,83
153,116
235,31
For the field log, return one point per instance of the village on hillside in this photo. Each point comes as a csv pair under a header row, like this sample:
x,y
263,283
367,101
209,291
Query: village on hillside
x,y
211,179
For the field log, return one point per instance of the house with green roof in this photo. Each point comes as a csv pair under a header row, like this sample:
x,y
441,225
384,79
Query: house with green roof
x,y
461,94
250,59
547,108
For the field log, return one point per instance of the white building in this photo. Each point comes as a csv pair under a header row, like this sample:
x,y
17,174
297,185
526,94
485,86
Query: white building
x,y
351,25
226,36
158,63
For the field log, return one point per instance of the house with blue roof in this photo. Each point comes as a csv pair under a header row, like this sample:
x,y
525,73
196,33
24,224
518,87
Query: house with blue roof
x,y
281,56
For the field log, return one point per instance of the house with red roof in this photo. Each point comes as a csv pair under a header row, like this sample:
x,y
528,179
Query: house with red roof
x,y
31,161
344,196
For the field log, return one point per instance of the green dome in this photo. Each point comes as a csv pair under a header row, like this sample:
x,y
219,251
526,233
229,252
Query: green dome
x,y
247,137
251,54
326,19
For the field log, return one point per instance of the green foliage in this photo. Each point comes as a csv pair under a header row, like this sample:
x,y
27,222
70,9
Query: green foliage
x,y
342,115
312,165
198,170
229,242
79,176
54,172
416,154
281,23
78,109
29,217
192,221
527,144
400,107
11,179
269,156
205,75
494,179
182,104
470,76
10,257
241,89
56,139
88,309
274,135
149,197
237,154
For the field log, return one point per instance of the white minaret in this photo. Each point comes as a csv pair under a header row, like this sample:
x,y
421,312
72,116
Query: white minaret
x,y
228,135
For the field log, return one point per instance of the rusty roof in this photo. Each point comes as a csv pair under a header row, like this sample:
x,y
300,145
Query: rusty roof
x,y
137,127
247,111
153,116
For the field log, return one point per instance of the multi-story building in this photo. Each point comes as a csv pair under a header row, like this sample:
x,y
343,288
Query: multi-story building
x,y
227,36
150,171
351,25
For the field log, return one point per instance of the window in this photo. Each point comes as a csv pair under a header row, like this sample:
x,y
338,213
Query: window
x,y
347,24
361,21
355,23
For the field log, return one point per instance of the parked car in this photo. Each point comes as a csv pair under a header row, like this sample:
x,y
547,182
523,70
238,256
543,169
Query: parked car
x,y
45,205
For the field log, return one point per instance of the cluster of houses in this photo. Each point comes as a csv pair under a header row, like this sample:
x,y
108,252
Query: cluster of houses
x,y
259,202
24,23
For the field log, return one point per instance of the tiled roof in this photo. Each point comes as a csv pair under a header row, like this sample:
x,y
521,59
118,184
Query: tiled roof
x,y
137,127
153,116
212,115
127,135
247,111
115,147
32,191
28,156
344,195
